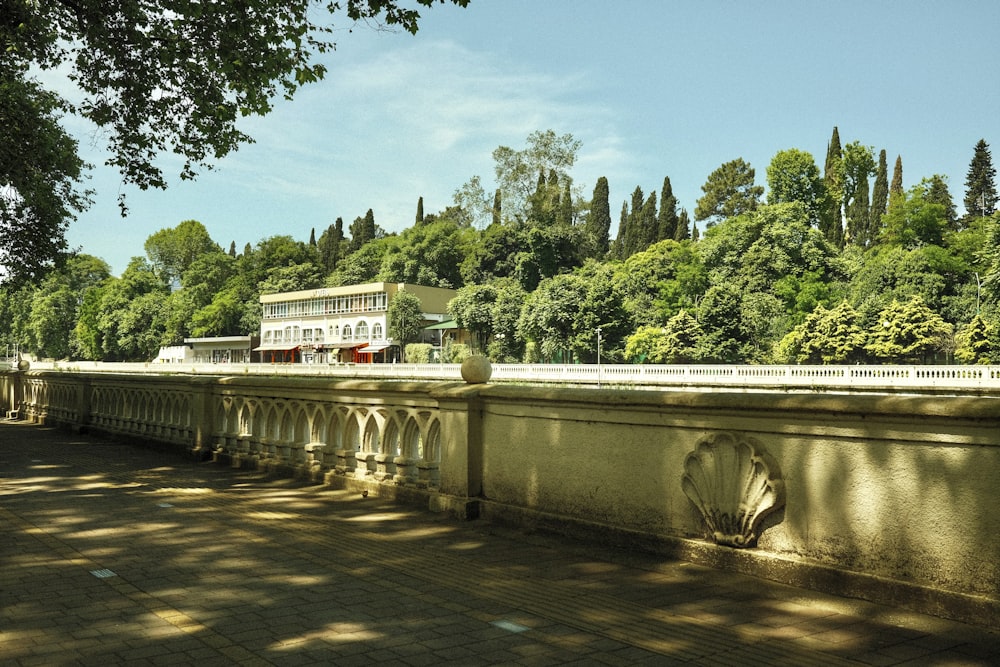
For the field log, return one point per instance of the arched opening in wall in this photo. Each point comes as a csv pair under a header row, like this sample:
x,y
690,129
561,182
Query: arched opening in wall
x,y
246,420
432,448
317,428
390,439
361,331
370,443
352,433
377,331
286,433
411,445
300,437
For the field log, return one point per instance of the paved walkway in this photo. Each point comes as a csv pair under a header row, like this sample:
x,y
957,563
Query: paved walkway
x,y
114,554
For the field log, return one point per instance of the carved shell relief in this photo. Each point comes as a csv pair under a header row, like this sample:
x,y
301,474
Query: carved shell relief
x,y
734,484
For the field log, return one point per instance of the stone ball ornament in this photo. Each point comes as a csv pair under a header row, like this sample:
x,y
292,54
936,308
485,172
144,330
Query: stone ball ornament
x,y
477,369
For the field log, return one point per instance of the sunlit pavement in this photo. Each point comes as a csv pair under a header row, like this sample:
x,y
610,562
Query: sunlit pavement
x,y
111,553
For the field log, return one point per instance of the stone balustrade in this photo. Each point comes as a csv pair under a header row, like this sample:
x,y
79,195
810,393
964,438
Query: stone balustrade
x,y
884,495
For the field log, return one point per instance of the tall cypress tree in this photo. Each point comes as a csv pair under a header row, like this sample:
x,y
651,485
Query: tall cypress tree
x,y
938,193
633,232
667,219
896,194
980,184
648,224
896,186
859,213
880,198
497,207
599,220
312,237
564,212
832,220
420,212
618,249
683,231
232,249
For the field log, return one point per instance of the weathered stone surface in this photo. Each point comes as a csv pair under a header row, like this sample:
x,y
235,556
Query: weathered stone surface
x,y
476,369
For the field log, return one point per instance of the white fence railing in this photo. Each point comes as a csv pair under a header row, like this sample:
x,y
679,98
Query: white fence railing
x,y
638,375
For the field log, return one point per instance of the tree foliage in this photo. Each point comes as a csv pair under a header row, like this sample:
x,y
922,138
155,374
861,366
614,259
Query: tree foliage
x,y
980,183
156,78
729,191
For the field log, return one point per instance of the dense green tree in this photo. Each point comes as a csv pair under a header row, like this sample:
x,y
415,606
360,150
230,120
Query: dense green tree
x,y
879,203
980,183
720,318
473,206
658,282
517,170
675,343
172,250
832,220
728,191
598,223
909,332
545,252
896,185
363,230
507,344
420,212
363,265
683,227
666,221
832,336
55,305
977,342
472,310
892,272
549,316
404,319
331,246
563,314
792,176
494,255
431,254
131,318
915,219
752,252
648,345
175,78
936,192
496,213
40,171
859,166
291,278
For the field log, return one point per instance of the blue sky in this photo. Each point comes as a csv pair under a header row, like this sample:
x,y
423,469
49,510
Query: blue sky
x,y
650,88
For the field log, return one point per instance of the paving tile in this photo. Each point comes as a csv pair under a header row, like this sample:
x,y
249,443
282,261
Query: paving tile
x,y
243,568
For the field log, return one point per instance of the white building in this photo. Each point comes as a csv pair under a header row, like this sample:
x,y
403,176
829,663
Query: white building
x,y
340,324
215,350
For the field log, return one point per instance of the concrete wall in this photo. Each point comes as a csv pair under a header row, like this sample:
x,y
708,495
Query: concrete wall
x,y
886,497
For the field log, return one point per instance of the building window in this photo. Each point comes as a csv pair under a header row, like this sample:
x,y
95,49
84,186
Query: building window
x,y
377,331
361,331
347,332
318,334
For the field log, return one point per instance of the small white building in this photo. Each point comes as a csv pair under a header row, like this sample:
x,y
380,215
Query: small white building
x,y
341,324
215,350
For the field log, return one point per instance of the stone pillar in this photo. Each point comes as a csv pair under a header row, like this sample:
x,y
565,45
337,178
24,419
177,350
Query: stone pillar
x,y
202,415
461,449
